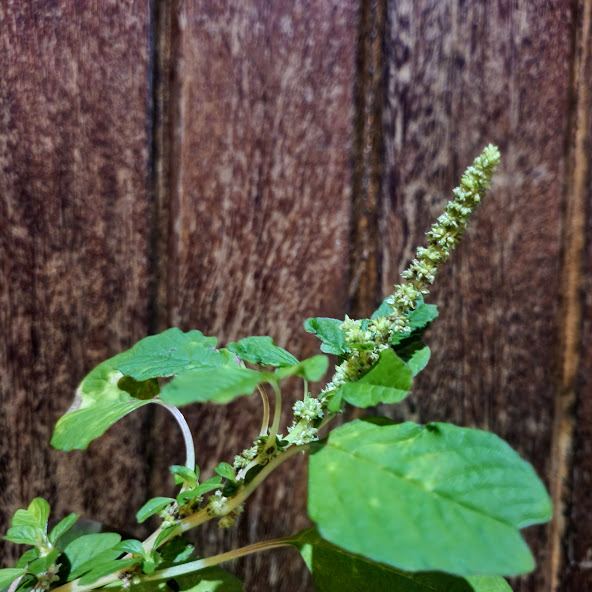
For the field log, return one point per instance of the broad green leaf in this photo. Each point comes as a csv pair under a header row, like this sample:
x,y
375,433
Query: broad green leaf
x,y
335,570
416,355
211,579
428,498
62,527
488,584
24,518
226,471
152,506
388,381
86,548
218,385
312,369
77,429
81,527
8,575
139,389
24,535
169,353
329,332
262,351
107,568
99,403
130,546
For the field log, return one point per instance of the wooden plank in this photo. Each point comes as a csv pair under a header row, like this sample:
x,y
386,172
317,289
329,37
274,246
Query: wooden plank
x,y
73,246
571,545
260,170
460,75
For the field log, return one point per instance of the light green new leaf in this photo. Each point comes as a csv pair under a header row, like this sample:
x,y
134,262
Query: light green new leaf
x,y
130,546
428,498
328,331
169,353
311,369
335,570
62,527
218,385
152,506
43,563
99,403
39,509
388,381
24,535
8,575
262,351
211,579
85,550
225,470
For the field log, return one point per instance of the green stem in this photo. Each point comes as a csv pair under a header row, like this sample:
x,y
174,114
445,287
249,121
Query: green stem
x,y
265,401
277,411
193,566
187,436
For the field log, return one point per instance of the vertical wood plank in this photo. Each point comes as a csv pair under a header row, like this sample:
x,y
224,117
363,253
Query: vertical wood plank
x,y
571,543
460,75
261,112
73,245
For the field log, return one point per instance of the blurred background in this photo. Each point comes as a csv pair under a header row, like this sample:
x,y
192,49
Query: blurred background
x,y
237,167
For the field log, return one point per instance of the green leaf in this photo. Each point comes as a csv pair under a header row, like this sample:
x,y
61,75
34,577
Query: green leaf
x,y
388,381
335,570
416,355
24,535
428,498
218,385
488,584
139,389
62,527
384,310
177,550
27,557
169,353
8,575
107,568
130,546
419,320
39,509
86,549
153,506
184,474
311,369
99,403
262,351
211,579
24,518
226,471
164,534
328,331
42,564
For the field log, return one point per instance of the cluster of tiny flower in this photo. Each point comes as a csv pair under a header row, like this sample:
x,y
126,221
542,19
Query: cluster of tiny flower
x,y
302,432
309,409
245,457
169,515
217,504
229,519
366,343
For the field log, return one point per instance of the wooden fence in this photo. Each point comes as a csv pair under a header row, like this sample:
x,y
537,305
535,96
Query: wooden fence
x,y
239,166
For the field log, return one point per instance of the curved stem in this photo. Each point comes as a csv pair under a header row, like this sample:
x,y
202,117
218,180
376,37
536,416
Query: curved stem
x,y
265,401
277,411
187,436
192,566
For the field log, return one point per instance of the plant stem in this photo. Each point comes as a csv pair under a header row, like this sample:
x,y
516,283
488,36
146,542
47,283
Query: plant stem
x,y
265,401
277,411
187,436
192,566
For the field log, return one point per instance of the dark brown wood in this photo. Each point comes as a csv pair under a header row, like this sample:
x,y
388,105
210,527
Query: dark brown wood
x,y
571,536
460,75
261,122
73,246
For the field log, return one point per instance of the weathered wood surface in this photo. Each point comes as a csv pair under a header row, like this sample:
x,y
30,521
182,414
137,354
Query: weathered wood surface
x,y
73,245
261,114
297,152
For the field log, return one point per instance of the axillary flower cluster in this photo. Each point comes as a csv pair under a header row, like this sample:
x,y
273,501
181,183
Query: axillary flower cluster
x,y
366,339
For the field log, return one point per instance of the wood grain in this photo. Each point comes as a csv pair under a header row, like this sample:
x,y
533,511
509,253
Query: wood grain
x,y
73,244
261,122
460,75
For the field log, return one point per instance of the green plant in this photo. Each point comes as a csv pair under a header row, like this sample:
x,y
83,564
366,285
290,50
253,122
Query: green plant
x,y
395,506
